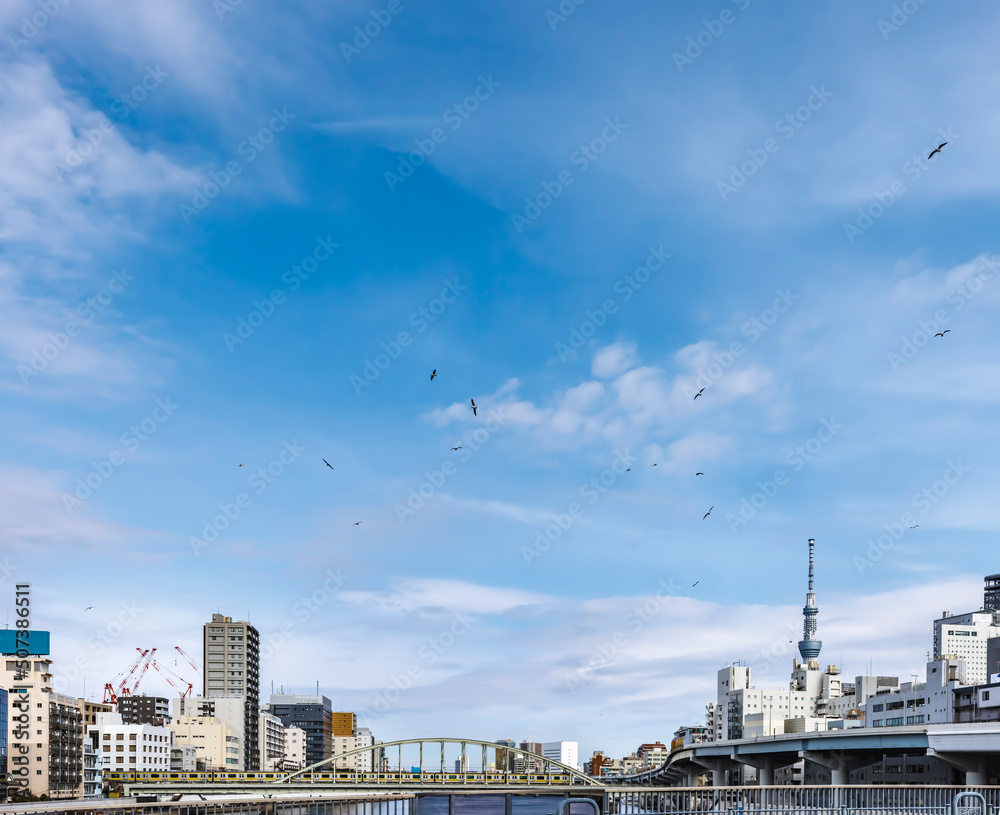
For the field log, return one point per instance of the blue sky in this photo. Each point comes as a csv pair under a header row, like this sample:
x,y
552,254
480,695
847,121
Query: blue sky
x,y
579,220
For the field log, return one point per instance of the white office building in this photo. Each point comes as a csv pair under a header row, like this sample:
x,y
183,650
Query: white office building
x,y
919,703
271,741
139,747
965,636
566,752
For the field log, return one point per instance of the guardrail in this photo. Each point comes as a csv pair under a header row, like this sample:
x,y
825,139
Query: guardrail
x,y
380,804
792,800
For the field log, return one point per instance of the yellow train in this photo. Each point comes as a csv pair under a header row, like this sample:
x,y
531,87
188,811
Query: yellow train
x,y
345,776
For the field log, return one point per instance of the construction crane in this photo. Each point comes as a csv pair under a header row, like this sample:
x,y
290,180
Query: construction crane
x,y
118,686
191,662
147,659
165,672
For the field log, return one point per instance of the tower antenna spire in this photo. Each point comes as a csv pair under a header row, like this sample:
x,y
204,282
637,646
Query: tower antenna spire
x,y
809,647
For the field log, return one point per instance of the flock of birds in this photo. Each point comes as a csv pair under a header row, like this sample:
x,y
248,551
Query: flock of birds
x,y
475,407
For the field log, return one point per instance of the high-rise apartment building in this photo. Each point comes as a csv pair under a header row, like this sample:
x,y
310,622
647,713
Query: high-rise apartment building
x,y
232,668
314,715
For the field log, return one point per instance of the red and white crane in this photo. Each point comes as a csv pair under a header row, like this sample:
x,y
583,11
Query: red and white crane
x,y
165,672
191,662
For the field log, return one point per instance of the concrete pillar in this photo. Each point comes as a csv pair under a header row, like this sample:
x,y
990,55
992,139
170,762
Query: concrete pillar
x,y
839,776
690,778
977,776
718,777
765,774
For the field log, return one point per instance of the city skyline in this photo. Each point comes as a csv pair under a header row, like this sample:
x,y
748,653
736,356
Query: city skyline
x,y
258,265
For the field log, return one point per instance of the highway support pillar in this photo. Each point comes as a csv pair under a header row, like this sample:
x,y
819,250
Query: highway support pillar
x,y
836,761
718,767
972,764
763,764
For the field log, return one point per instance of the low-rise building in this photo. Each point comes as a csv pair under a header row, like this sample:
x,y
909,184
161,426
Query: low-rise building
x,y
131,747
184,758
93,774
366,761
295,748
217,747
144,709
917,703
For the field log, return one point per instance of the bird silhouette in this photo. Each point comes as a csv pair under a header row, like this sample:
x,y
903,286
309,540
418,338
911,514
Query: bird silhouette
x,y
696,582
473,407
241,465
433,374
703,517
88,608
942,333
357,524
328,464
654,465
699,473
937,149
456,448
914,526
699,393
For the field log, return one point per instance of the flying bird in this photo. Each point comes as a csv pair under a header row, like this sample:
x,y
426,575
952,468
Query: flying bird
x,y
703,517
456,448
357,524
699,393
914,526
473,407
88,608
433,374
937,149
942,333
696,582
327,463
654,465
699,473
241,465
629,470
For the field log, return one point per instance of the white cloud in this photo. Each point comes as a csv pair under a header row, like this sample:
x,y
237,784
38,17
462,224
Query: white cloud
x,y
453,595
613,360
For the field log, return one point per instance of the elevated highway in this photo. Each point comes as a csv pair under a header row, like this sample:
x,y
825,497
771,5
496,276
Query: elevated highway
x,y
971,748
